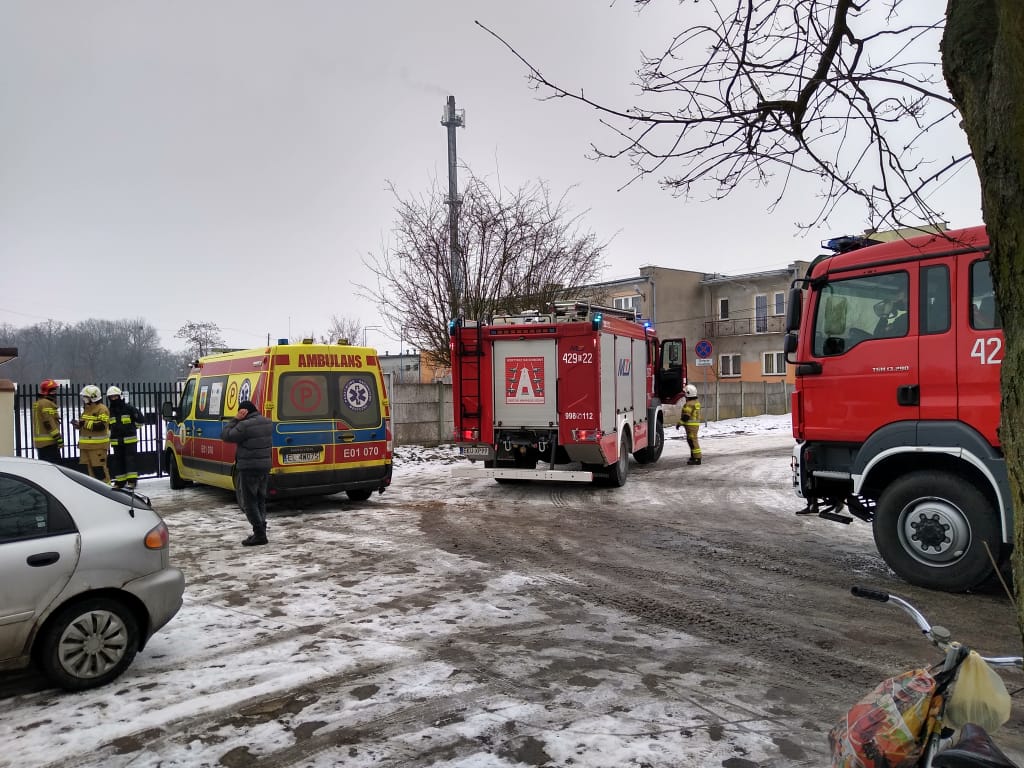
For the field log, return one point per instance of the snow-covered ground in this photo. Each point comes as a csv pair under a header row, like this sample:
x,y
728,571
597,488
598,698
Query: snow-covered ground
x,y
265,620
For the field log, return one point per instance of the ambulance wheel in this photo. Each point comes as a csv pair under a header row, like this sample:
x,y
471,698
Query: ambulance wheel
x,y
619,471
359,494
172,473
652,453
935,530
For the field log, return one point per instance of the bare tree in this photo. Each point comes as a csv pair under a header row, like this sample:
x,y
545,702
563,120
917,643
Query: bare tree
x,y
521,248
844,90
766,90
343,328
202,338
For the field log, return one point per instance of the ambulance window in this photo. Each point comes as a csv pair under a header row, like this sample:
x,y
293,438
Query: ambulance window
x,y
304,396
984,314
211,398
935,299
358,401
187,396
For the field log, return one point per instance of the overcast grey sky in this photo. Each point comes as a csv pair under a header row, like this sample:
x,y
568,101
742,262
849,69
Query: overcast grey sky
x,y
226,161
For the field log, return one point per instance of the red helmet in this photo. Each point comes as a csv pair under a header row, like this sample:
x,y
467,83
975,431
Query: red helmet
x,y
48,386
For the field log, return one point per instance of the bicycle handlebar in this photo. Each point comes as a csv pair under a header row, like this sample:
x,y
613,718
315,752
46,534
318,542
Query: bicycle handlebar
x,y
938,636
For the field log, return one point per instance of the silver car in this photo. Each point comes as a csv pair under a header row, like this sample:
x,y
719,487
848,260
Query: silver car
x,y
85,574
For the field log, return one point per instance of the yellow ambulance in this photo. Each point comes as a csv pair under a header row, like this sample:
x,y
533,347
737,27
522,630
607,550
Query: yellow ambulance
x,y
328,405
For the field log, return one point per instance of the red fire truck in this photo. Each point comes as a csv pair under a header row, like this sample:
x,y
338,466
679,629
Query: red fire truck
x,y
574,383
898,352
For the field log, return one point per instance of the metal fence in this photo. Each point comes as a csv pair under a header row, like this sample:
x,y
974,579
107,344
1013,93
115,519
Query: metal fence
x,y
147,397
421,413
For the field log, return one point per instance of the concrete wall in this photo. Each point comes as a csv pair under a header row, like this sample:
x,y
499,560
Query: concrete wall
x,y
6,417
421,414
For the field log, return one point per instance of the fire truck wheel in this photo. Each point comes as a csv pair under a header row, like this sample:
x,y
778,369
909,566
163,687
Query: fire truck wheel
x,y
618,472
933,528
652,453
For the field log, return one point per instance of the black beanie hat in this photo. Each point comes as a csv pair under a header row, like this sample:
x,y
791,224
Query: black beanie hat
x,y
249,405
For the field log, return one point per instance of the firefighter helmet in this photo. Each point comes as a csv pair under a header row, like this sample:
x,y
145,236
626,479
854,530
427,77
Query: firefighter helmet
x,y
48,387
91,393
690,391
113,391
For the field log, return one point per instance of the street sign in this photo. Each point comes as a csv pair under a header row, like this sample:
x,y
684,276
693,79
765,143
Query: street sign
x,y
705,362
703,350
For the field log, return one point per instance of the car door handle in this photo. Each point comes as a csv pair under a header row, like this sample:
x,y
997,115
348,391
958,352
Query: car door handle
x,y
43,558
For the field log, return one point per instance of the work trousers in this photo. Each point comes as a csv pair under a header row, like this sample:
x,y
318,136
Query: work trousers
x,y
691,439
124,464
96,460
252,496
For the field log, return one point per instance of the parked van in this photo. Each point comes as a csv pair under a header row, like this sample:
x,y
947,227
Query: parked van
x,y
328,405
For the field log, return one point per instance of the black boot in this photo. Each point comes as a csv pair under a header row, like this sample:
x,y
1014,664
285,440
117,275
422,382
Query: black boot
x,y
693,461
259,537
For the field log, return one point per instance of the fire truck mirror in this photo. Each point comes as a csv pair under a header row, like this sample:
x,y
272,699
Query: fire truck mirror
x,y
794,312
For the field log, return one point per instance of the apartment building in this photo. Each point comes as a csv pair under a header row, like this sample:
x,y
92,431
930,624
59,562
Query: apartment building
x,y
741,317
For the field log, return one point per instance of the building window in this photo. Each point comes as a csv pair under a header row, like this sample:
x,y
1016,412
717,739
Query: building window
x,y
627,302
780,302
729,365
723,309
773,364
761,313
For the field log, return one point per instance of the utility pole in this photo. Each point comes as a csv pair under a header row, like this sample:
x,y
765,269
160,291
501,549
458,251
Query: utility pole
x,y
451,120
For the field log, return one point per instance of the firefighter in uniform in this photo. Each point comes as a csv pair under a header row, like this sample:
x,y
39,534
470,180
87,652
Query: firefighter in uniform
x,y
94,433
46,423
689,419
124,438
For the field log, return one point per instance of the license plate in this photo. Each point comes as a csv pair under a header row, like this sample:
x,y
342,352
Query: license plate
x,y
301,457
476,450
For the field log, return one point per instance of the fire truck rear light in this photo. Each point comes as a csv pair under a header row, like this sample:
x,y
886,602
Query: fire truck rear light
x,y
471,434
586,435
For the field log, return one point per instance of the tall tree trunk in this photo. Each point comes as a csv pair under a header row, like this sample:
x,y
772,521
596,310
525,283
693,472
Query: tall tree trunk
x,y
983,61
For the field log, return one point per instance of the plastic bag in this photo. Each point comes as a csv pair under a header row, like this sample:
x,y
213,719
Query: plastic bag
x,y
979,696
886,728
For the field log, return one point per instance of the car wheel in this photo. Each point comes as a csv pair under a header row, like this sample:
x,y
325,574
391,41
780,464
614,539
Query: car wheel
x,y
652,453
89,643
936,530
172,473
359,494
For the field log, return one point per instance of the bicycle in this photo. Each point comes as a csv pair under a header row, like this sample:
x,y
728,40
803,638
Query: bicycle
x,y
906,721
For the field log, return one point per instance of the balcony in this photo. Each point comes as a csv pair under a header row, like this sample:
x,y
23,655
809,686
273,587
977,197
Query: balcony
x,y
744,326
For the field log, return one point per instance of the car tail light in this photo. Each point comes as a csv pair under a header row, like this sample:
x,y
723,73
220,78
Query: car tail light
x,y
158,537
471,434
389,445
586,435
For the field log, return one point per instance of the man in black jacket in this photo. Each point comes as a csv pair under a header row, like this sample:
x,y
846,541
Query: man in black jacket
x,y
253,432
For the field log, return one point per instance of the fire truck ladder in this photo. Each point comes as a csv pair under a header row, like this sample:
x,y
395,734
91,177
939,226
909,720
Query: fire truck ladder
x,y
471,357
575,311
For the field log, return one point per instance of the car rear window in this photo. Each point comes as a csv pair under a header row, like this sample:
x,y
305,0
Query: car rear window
x,y
122,497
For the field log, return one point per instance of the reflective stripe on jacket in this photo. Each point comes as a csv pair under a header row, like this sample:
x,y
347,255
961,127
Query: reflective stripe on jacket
x,y
124,421
690,416
94,431
45,423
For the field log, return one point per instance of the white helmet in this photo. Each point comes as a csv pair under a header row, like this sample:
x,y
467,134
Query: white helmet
x,y
113,392
690,391
91,393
